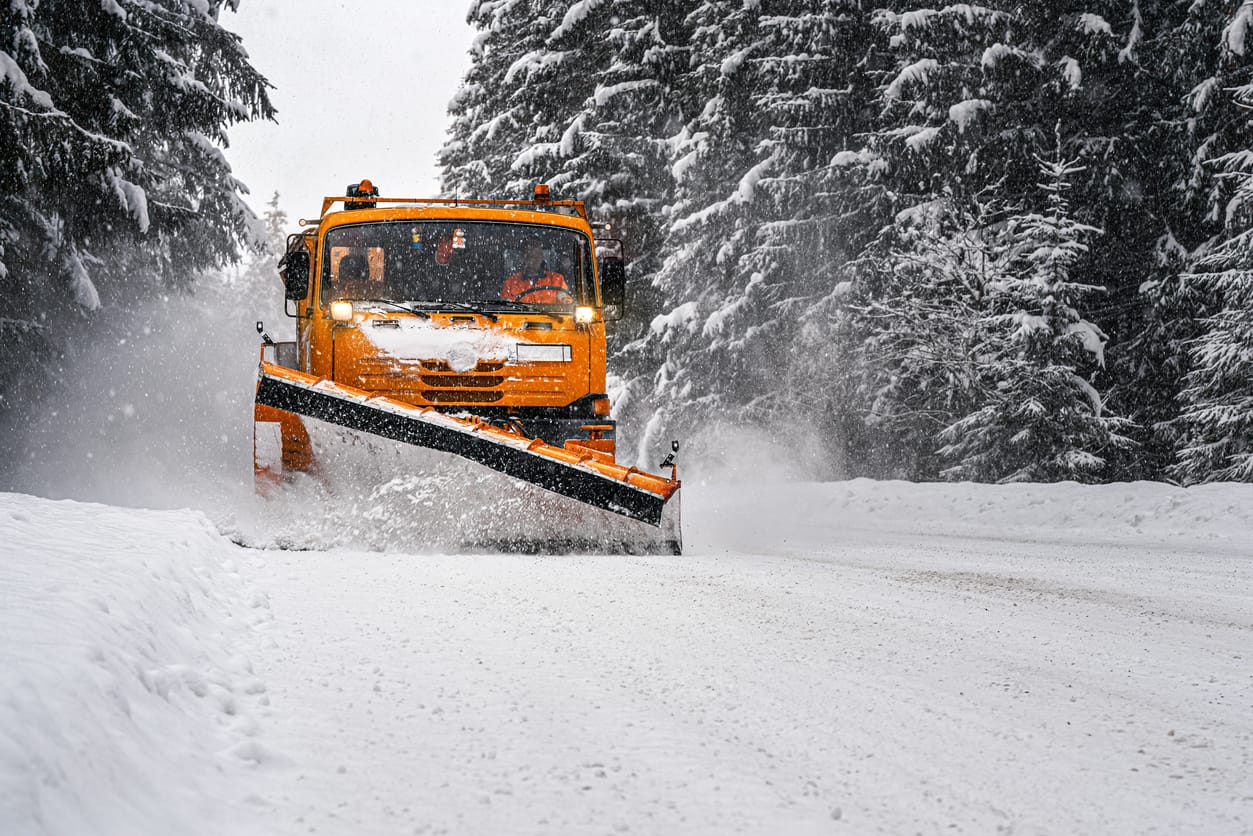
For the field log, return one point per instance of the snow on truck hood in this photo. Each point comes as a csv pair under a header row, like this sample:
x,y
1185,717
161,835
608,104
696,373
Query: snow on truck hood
x,y
413,340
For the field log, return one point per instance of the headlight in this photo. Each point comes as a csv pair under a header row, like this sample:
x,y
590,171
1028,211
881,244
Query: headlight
x,y
584,315
341,311
536,353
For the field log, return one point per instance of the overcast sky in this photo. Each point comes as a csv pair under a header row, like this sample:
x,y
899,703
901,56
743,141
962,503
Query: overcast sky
x,y
361,88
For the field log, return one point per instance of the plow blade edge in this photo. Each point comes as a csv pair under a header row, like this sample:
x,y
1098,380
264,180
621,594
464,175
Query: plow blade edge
x,y
582,477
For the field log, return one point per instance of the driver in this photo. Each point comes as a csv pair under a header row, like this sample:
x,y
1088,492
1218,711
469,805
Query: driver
x,y
535,282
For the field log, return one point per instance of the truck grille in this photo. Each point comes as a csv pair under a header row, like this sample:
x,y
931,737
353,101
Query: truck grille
x,y
434,382
485,381
476,386
461,395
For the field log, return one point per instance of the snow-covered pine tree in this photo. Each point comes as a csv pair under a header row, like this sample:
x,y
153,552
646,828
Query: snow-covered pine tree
x,y
616,148
1038,418
752,232
970,94
1192,64
554,83
960,99
513,120
276,225
915,309
1158,321
1216,421
486,122
956,115
111,178
816,100
953,122
689,374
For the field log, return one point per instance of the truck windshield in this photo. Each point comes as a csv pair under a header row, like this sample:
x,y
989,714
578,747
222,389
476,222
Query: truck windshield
x,y
502,265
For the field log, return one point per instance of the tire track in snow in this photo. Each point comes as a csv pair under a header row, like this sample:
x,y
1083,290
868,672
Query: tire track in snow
x,y
840,691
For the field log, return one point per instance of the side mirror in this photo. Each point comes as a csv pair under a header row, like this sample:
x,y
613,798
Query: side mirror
x,y
294,269
613,288
612,280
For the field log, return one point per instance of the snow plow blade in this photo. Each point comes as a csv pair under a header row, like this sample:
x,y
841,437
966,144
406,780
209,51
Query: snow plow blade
x,y
573,473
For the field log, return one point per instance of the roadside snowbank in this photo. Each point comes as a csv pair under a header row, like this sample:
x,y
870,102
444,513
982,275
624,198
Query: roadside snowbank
x,y
125,704
764,516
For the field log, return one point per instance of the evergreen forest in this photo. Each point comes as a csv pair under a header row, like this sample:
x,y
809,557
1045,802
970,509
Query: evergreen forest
x,y
994,242
114,186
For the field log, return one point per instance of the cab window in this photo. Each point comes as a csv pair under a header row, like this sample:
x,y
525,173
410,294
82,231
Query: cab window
x,y
455,261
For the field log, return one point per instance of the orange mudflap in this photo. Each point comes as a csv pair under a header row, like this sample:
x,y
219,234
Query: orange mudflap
x,y
280,444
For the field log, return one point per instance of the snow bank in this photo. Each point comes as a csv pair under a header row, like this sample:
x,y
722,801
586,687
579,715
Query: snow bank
x,y
125,703
817,513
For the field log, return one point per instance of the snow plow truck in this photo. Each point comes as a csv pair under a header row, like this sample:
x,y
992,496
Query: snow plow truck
x,y
472,327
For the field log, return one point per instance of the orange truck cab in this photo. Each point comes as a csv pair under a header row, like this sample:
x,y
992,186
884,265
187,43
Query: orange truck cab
x,y
491,308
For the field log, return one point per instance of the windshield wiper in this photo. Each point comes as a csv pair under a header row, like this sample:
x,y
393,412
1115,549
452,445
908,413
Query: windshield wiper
x,y
461,306
515,305
399,306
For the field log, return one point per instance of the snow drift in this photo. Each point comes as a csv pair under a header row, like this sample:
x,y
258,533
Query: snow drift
x,y
127,702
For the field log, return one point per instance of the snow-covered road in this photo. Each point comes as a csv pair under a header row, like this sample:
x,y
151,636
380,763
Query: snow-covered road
x,y
839,658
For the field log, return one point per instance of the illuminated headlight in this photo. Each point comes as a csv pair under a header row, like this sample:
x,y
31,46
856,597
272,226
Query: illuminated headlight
x,y
341,311
584,315
533,353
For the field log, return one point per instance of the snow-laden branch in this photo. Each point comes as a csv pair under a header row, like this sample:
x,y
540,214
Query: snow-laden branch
x,y
916,73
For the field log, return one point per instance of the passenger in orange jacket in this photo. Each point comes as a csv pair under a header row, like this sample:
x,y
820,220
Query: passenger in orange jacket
x,y
535,282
